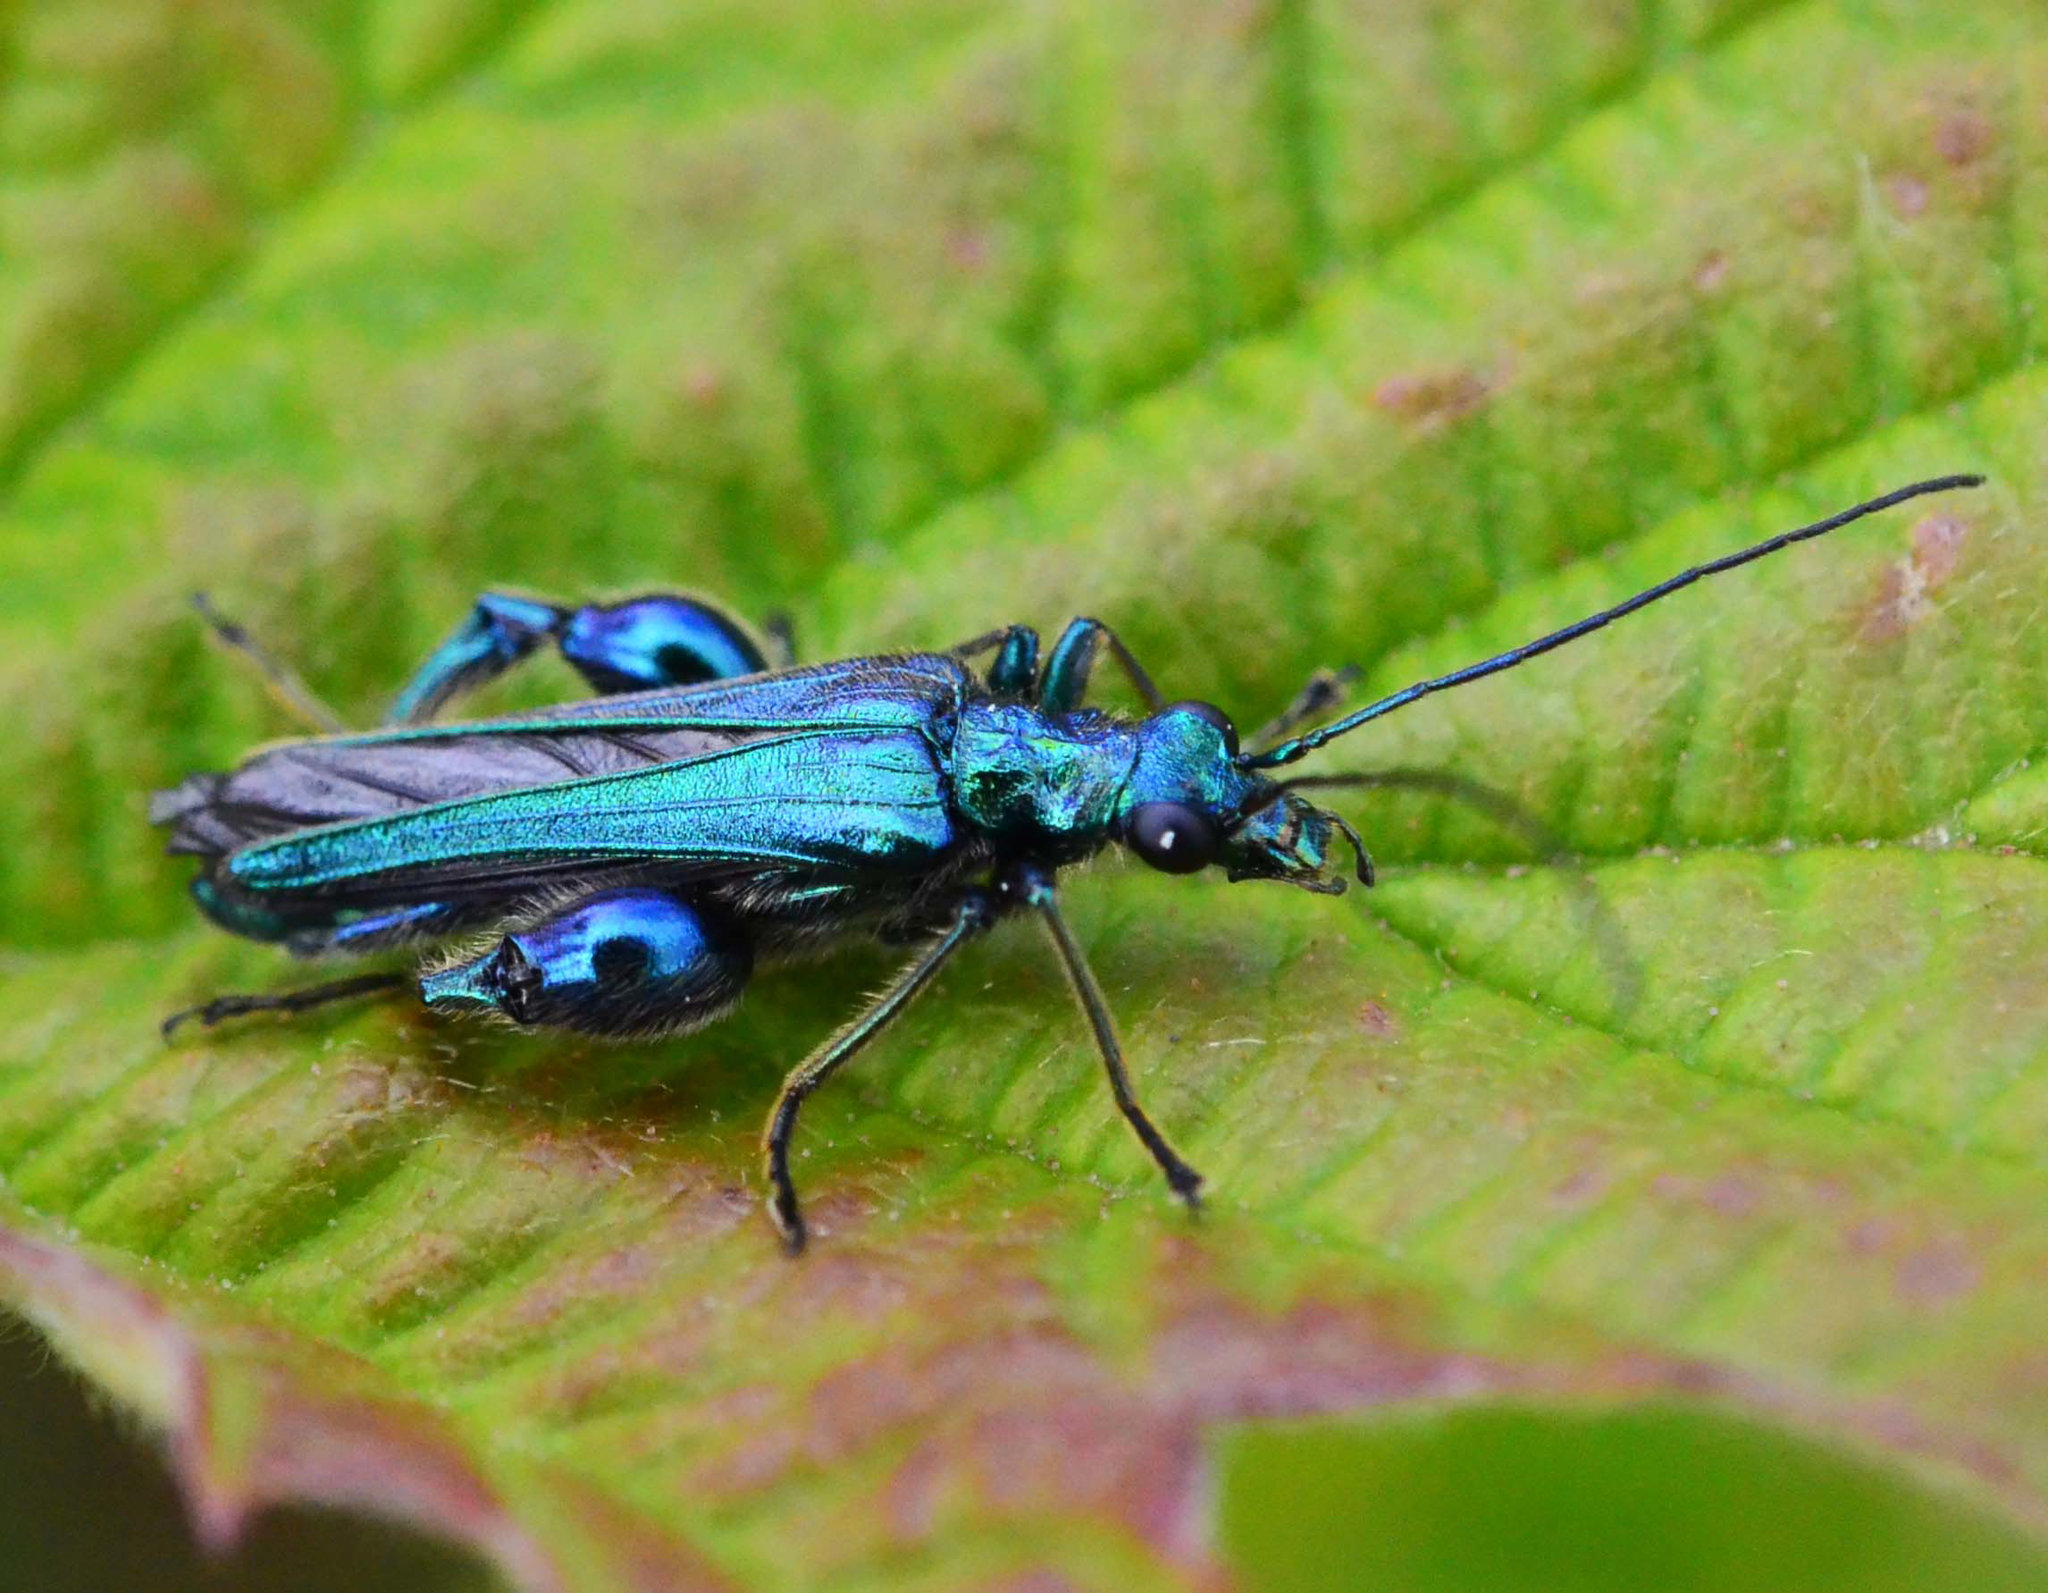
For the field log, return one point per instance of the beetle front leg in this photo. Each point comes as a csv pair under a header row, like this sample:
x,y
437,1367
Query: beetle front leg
x,y
640,644
1064,683
975,912
1326,689
1032,886
1013,672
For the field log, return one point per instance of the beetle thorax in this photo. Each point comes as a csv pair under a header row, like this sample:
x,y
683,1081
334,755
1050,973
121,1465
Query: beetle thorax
x,y
1049,783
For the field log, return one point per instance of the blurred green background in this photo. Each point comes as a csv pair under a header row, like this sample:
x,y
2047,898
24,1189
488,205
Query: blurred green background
x,y
86,1505
1645,1193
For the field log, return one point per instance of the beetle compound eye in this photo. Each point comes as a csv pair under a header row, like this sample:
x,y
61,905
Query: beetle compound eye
x,y
1209,713
1173,837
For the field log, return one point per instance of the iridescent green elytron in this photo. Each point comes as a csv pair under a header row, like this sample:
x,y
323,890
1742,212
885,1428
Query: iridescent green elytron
x,y
635,855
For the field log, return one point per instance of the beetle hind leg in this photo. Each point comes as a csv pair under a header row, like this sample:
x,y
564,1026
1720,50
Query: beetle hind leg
x,y
974,912
640,644
208,1013
624,963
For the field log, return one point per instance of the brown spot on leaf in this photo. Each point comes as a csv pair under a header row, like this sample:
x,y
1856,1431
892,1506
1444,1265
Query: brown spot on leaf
x,y
969,249
1937,546
704,386
1963,137
1431,398
1034,1581
1903,600
1906,194
1712,271
1377,1020
1732,1195
2025,1375
1938,1273
1737,1196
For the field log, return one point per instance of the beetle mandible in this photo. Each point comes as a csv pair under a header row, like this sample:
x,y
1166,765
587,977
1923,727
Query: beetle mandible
x,y
632,856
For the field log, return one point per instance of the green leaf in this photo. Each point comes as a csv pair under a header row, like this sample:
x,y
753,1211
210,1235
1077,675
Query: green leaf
x,y
1528,1497
1700,1054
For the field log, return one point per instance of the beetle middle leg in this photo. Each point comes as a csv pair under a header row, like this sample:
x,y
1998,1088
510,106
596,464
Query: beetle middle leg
x,y
285,683
974,912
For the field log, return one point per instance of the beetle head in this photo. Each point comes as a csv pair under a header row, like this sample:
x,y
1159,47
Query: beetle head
x,y
1191,802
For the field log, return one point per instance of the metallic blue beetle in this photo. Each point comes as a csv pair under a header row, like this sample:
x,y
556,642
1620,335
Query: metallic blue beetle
x,y
633,856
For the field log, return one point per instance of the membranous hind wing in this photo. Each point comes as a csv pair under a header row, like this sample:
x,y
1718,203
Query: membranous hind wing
x,y
351,779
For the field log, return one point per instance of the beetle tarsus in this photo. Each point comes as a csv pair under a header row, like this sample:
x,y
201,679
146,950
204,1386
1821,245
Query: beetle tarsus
x,y
209,1013
788,1217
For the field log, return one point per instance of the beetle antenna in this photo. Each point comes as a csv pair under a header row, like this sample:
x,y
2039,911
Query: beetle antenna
x,y
1302,746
